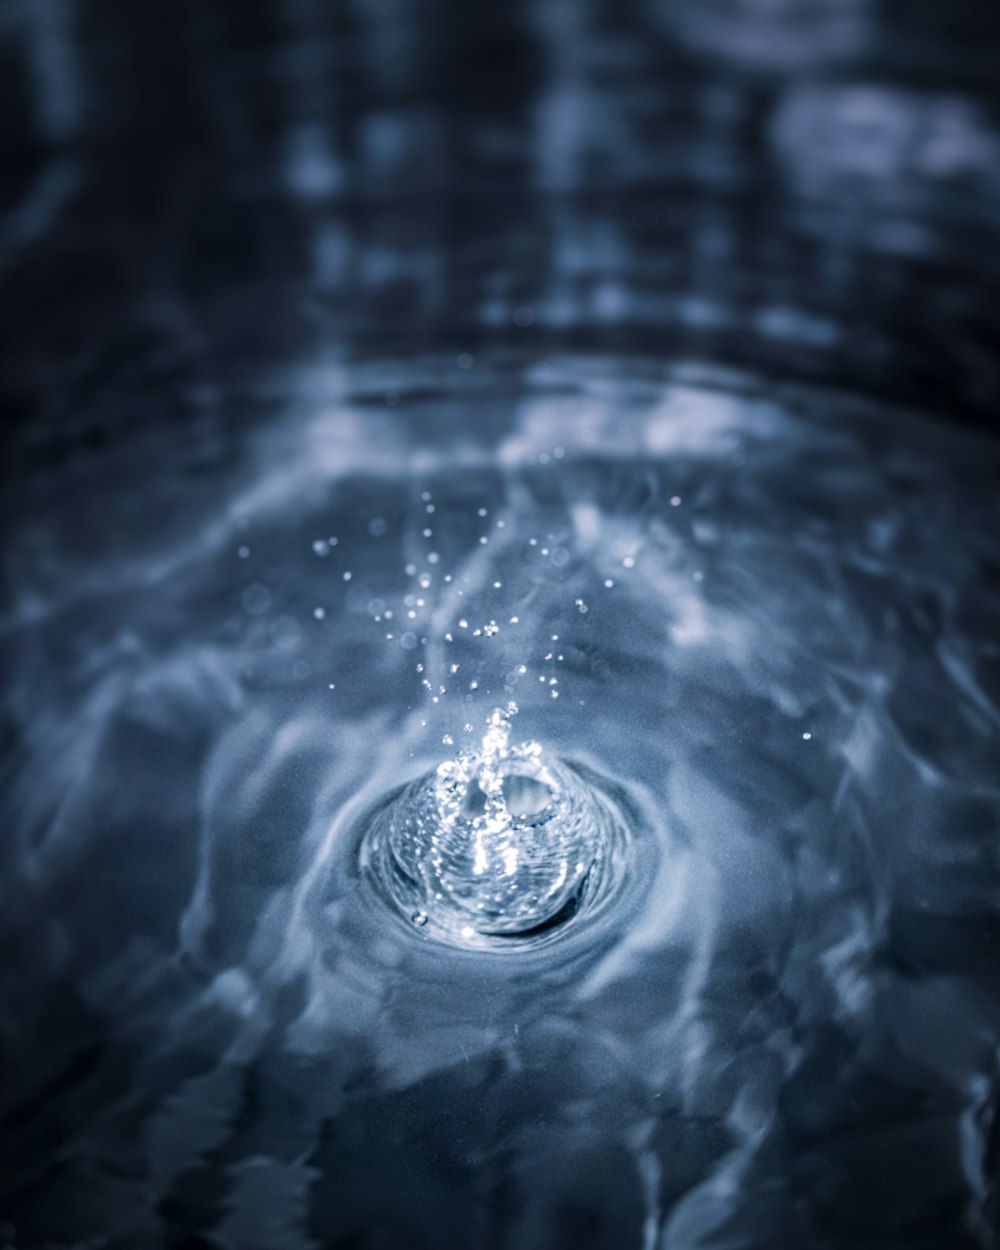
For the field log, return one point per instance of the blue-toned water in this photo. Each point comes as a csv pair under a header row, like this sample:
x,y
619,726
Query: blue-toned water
x,y
765,616
500,626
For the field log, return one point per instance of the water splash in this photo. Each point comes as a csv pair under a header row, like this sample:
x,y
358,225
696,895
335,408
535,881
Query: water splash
x,y
499,846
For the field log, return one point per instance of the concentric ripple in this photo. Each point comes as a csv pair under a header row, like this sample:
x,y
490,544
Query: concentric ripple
x,y
498,848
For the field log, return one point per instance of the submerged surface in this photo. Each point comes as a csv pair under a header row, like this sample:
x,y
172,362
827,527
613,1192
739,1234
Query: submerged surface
x,y
764,614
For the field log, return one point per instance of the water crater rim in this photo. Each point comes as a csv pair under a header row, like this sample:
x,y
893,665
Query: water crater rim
x,y
502,848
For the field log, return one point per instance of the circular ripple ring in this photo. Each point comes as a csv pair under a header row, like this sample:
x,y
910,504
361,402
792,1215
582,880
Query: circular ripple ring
x,y
499,849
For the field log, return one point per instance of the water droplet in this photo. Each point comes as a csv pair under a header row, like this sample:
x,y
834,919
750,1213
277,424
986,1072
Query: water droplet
x,y
419,918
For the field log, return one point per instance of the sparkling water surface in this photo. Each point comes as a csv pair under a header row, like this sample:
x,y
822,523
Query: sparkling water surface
x,y
703,931
371,369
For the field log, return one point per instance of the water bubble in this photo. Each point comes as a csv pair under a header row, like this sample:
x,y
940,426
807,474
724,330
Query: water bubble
x,y
378,526
321,547
523,316
243,552
256,599
465,360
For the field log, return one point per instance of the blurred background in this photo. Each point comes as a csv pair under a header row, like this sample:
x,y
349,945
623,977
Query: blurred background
x,y
812,188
